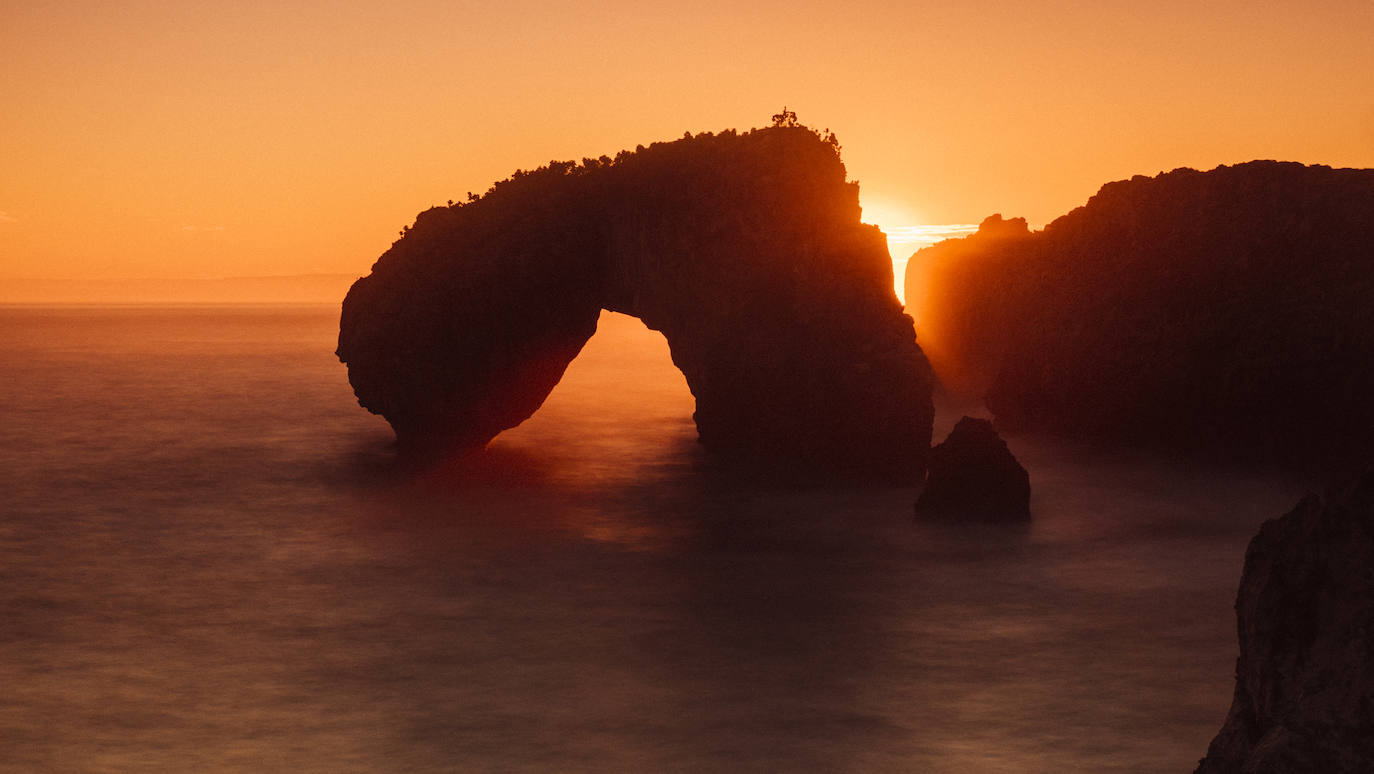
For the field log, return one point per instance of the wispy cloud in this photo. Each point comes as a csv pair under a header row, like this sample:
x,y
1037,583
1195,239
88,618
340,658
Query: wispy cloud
x,y
5,217
202,228
927,235
903,241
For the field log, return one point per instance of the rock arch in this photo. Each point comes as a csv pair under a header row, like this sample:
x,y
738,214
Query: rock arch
x,y
745,250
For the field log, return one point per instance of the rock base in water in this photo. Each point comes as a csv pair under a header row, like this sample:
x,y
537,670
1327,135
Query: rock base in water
x,y
973,473
1304,699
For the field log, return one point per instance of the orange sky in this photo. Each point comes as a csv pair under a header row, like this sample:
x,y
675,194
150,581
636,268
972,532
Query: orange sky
x,y
194,139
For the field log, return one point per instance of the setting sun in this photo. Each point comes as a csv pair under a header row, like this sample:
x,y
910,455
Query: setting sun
x,y
516,386
200,141
906,233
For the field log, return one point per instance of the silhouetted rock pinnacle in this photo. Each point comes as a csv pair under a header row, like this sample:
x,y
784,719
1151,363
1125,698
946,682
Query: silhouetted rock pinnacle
x,y
745,250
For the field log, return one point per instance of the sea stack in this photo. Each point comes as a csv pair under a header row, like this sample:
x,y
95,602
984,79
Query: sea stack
x,y
1304,699
973,474
746,251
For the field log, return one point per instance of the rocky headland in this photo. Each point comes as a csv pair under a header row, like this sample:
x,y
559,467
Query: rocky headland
x,y
1304,698
746,251
1231,309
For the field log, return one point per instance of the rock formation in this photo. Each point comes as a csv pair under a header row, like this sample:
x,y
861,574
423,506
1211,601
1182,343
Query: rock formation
x,y
966,294
1227,309
745,250
974,474
1304,699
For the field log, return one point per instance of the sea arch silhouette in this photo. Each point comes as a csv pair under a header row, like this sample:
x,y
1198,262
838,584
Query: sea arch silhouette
x,y
745,250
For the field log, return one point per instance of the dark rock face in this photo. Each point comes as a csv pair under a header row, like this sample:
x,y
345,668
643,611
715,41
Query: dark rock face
x,y
973,473
1228,309
745,250
967,294
1304,698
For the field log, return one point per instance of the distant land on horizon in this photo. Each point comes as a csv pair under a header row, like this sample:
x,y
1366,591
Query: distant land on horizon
x,y
286,289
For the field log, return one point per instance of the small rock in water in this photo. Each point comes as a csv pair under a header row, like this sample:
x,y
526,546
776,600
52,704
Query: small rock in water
x,y
973,473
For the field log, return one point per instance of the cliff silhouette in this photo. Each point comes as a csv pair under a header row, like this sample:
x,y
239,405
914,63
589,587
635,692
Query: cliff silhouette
x,y
1304,695
745,250
1224,309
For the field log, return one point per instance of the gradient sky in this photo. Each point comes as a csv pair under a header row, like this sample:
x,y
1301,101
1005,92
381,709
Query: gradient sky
x,y
196,139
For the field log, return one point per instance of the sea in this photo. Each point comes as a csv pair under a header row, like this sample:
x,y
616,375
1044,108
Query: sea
x,y
211,561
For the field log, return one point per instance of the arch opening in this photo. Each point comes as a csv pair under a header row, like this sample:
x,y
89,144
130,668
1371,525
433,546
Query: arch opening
x,y
622,410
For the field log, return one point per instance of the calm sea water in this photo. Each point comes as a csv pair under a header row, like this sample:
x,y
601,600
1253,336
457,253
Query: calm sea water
x,y
209,563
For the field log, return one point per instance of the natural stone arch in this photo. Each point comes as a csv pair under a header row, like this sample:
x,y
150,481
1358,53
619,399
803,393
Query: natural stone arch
x,y
745,250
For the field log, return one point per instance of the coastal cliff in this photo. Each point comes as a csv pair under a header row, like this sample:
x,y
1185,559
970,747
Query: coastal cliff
x,y
1304,698
1231,309
745,250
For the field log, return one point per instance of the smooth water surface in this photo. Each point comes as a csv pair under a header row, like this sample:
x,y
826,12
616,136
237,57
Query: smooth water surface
x,y
209,562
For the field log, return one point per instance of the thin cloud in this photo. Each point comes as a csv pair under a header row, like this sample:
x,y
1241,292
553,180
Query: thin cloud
x,y
904,241
5,217
927,235
202,228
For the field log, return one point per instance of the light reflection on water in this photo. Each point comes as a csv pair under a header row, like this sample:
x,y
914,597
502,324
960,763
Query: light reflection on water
x,y
208,562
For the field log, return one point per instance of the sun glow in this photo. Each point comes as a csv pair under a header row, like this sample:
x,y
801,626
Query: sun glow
x,y
887,214
906,234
